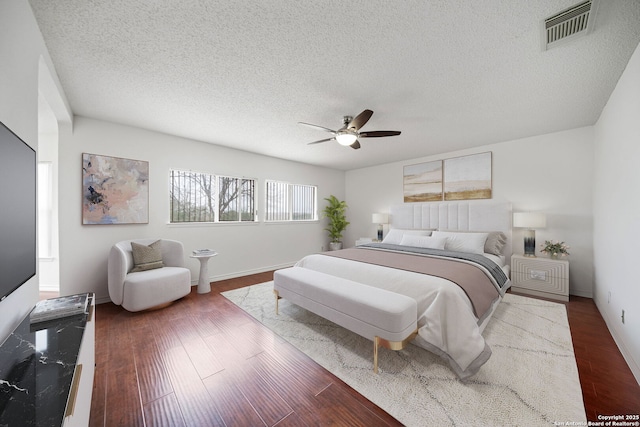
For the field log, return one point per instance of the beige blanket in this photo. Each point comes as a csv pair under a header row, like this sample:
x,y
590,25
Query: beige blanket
x,y
473,280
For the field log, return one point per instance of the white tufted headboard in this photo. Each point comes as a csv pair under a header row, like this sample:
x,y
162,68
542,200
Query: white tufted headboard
x,y
470,215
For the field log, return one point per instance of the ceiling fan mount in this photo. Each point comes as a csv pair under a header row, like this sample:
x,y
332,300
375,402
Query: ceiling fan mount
x,y
349,133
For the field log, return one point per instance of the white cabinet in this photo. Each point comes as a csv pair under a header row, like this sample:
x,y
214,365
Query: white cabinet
x,y
543,277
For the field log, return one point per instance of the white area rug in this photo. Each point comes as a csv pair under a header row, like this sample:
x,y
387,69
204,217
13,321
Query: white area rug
x,y
531,378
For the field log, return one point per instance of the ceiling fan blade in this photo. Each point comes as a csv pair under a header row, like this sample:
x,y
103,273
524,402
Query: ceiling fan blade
x,y
318,127
379,133
355,145
360,120
322,140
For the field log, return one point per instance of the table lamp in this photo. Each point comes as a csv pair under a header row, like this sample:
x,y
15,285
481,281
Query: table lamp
x,y
530,221
380,219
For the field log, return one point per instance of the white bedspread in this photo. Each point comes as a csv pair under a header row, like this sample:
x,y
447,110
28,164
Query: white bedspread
x,y
447,325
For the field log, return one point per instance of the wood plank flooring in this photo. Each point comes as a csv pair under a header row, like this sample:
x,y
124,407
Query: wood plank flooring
x,y
608,385
205,362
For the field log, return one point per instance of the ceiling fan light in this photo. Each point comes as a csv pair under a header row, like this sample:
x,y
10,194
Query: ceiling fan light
x,y
346,138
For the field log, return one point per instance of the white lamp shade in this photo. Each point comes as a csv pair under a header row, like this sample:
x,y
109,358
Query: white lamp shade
x,y
380,218
530,220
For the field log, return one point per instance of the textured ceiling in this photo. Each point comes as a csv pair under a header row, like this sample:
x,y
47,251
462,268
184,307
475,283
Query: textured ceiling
x,y
448,74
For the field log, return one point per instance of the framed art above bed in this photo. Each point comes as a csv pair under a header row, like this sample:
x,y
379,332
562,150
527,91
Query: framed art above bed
x,y
458,178
468,177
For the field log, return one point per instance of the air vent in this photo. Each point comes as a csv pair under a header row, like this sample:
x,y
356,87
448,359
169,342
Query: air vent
x,y
570,23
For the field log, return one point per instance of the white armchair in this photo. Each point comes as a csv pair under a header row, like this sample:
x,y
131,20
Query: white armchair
x,y
141,290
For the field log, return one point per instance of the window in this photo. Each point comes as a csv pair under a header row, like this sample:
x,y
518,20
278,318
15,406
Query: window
x,y
236,199
290,202
45,210
202,197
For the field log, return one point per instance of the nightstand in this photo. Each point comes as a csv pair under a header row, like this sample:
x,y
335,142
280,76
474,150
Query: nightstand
x,y
543,277
364,241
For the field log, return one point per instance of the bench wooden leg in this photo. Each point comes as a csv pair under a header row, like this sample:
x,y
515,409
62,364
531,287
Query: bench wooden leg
x,y
375,354
277,299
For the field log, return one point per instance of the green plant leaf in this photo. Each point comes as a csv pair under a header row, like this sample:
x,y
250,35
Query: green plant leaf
x,y
335,212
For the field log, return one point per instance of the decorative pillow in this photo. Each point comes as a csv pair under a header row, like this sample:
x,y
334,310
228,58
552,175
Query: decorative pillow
x,y
463,242
146,257
423,241
495,243
394,236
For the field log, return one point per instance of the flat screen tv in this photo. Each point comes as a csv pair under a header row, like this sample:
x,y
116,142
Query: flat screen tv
x,y
18,195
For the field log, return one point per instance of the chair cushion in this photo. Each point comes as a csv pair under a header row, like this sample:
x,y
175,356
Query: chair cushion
x,y
146,257
143,290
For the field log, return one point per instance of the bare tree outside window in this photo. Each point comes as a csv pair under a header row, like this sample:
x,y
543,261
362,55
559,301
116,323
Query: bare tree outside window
x,y
236,199
202,197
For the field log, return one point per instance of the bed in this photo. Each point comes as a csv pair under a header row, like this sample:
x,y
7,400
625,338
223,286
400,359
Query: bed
x,y
452,258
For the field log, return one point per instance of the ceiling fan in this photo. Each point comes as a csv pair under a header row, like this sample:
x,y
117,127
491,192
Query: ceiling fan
x,y
349,133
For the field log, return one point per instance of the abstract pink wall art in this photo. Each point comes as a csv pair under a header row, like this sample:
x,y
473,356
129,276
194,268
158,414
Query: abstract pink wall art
x,y
114,190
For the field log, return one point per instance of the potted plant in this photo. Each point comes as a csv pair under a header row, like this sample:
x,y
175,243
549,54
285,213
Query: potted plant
x,y
335,211
555,249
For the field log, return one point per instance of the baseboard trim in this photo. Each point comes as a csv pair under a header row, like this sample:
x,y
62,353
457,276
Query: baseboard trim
x,y
105,299
626,354
49,288
102,300
248,272
580,293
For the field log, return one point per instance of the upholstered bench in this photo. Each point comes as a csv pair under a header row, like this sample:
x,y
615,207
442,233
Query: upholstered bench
x,y
387,318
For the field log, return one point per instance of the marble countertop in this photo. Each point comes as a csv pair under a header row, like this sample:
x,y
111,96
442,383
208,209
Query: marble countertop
x,y
36,370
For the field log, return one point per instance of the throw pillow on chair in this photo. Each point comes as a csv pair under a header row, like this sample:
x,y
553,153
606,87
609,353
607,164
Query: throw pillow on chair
x,y
146,257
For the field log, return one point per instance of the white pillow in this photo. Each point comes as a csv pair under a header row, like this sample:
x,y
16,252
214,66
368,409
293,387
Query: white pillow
x,y
463,242
423,241
495,243
394,236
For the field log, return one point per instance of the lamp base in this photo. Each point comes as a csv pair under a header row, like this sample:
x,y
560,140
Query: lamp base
x,y
380,233
530,243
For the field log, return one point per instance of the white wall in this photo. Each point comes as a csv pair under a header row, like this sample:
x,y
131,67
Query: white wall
x,y
24,61
617,213
548,173
243,248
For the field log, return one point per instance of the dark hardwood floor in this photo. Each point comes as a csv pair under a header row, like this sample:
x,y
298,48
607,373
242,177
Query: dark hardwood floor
x,y
204,362
608,385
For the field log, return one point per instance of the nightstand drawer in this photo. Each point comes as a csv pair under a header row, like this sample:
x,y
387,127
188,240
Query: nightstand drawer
x,y
540,267
540,276
554,285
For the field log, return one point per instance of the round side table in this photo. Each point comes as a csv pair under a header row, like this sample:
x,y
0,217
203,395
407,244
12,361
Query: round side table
x,y
204,286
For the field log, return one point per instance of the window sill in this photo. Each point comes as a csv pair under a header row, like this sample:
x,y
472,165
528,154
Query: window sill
x,y
212,224
315,221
